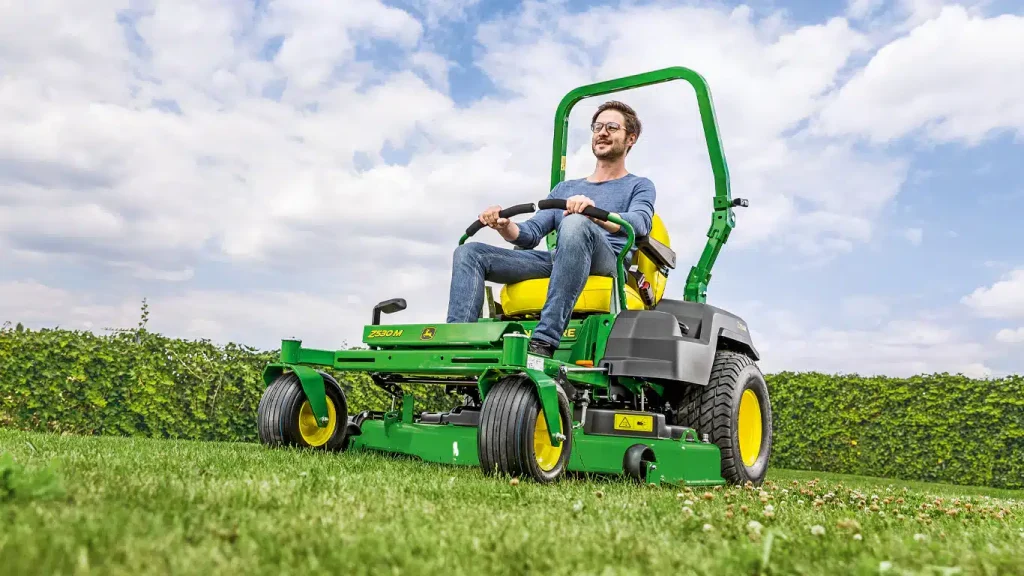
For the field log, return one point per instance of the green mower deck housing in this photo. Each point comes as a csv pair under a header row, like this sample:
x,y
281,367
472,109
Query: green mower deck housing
x,y
670,393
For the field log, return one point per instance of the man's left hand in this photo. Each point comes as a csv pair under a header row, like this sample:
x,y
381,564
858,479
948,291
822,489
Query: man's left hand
x,y
576,205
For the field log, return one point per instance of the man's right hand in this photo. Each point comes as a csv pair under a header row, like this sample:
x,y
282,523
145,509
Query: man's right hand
x,y
507,228
489,218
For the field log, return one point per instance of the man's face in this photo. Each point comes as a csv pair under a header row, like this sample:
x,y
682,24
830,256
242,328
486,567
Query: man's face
x,y
608,145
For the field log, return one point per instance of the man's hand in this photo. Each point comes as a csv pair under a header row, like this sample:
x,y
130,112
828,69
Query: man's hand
x,y
507,228
489,218
576,205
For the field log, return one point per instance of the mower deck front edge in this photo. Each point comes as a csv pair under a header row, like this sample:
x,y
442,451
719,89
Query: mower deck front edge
x,y
683,461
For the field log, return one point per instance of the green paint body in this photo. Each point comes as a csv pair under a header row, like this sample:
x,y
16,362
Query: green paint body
x,y
677,462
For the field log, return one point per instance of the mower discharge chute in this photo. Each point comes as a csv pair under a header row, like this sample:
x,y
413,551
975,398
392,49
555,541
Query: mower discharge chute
x,y
660,390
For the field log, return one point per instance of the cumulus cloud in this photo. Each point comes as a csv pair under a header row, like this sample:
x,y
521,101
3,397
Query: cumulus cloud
x,y
1003,299
38,305
956,76
1010,335
236,136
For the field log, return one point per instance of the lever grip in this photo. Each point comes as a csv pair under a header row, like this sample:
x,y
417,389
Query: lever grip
x,y
509,212
592,211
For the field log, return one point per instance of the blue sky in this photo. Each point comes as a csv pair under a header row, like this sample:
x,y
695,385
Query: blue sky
x,y
266,170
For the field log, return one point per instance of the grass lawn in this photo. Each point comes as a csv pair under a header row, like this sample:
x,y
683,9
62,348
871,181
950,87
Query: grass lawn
x,y
137,506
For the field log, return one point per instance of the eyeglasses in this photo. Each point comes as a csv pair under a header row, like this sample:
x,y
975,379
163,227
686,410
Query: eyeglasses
x,y
612,127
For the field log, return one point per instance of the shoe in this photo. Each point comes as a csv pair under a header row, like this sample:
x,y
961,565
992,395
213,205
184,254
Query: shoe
x,y
541,348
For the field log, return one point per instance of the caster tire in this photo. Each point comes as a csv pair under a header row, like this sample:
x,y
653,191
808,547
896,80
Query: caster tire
x,y
285,417
512,437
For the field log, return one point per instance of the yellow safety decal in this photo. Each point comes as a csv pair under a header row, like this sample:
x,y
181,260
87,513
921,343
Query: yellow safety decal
x,y
384,333
569,333
634,423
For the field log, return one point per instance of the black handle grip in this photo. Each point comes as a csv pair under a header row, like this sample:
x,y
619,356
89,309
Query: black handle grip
x,y
505,213
592,211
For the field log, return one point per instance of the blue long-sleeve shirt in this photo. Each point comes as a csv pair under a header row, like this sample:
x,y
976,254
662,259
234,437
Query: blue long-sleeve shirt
x,y
631,197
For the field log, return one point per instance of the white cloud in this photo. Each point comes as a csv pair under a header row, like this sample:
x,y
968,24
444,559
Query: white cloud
x,y
955,76
321,37
326,318
914,235
435,67
899,347
37,305
197,146
1011,336
178,156
1004,299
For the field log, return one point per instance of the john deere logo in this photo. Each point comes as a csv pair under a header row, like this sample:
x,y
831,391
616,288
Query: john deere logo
x,y
428,333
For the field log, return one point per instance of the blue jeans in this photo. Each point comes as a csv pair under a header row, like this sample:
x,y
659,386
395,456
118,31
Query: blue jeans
x,y
583,250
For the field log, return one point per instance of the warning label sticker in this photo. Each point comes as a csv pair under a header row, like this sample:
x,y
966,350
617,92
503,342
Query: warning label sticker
x,y
634,422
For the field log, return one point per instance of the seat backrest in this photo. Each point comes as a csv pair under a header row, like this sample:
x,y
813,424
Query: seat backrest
x,y
651,271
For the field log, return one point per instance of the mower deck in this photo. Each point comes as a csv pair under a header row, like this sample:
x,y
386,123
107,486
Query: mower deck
x,y
480,355
678,460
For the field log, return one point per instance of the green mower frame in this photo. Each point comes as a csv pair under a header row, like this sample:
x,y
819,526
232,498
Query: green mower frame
x,y
667,394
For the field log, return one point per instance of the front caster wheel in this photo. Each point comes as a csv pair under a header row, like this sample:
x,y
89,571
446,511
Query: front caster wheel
x,y
285,417
513,434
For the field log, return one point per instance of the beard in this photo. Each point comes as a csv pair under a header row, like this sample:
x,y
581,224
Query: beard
x,y
613,152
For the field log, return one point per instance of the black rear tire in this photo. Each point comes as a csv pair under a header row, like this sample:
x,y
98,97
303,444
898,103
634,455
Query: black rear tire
x,y
744,437
512,437
284,417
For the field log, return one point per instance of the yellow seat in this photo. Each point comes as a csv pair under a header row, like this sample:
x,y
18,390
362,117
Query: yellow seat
x,y
528,297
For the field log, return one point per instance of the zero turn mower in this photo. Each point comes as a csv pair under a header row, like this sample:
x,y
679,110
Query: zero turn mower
x,y
656,389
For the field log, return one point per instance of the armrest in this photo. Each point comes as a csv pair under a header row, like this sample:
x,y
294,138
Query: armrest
x,y
661,255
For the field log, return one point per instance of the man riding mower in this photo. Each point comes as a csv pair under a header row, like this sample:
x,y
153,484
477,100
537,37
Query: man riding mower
x,y
582,365
586,247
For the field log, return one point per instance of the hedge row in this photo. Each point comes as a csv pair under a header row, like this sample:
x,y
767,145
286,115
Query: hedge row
x,y
933,428
138,383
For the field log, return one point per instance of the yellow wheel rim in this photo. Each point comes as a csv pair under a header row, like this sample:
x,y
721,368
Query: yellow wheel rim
x,y
546,454
313,435
749,427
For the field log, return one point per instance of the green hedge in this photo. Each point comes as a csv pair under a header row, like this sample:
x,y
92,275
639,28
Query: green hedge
x,y
933,428
139,383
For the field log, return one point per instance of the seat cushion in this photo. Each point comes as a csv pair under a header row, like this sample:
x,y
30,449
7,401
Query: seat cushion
x,y
528,296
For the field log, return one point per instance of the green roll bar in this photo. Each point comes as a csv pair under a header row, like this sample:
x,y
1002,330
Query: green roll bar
x,y
722,218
